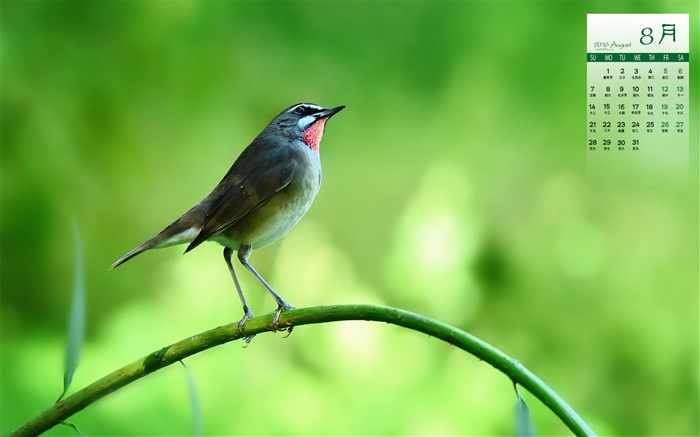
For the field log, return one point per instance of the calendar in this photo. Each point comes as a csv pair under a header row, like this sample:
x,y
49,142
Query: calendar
x,y
637,94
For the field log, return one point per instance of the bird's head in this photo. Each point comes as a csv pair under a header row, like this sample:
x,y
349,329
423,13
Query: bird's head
x,y
304,122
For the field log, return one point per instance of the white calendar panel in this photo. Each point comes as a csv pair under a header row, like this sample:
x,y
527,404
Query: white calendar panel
x,y
637,93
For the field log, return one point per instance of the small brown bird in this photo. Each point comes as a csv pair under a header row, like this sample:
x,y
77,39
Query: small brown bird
x,y
265,193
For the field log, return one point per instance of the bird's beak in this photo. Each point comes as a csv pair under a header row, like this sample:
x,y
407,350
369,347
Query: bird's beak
x,y
328,113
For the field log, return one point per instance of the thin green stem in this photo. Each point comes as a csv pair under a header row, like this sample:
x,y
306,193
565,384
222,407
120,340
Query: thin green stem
x,y
62,410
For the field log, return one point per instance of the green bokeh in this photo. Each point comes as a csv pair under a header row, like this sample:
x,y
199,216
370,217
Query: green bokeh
x,y
455,186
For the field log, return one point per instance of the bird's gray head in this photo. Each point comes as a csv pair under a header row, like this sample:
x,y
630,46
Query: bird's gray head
x,y
303,121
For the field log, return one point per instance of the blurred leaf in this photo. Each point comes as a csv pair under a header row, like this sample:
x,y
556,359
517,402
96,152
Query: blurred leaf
x,y
76,324
194,402
72,425
523,422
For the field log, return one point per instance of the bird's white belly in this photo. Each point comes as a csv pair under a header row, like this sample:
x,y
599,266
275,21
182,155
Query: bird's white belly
x,y
273,220
278,227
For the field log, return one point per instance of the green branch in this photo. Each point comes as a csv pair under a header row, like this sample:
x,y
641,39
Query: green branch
x,y
306,316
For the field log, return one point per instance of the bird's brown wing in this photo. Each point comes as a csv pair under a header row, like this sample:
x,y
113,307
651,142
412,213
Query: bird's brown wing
x,y
257,175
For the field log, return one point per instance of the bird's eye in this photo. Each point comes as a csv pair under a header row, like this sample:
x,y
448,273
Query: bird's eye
x,y
300,110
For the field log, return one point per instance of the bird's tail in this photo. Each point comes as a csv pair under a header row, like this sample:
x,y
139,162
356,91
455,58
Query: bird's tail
x,y
142,248
177,233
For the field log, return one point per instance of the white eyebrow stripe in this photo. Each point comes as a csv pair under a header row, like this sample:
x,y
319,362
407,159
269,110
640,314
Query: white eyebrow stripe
x,y
308,105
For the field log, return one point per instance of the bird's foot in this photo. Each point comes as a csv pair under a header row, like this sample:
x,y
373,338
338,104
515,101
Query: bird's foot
x,y
276,319
241,324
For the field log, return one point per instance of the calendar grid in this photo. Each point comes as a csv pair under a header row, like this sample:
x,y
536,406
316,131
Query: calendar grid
x,y
637,92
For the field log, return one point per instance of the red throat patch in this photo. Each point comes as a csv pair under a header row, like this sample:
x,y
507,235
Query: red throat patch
x,y
313,134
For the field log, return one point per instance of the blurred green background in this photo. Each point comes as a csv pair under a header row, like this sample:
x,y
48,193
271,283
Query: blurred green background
x,y
455,186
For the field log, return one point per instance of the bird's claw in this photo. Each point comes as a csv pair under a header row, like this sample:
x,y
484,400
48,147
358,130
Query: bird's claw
x,y
241,325
276,319
275,322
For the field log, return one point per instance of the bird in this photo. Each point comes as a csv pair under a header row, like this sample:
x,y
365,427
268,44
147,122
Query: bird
x,y
267,190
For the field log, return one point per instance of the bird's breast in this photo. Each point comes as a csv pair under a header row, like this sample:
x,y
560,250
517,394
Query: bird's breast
x,y
279,214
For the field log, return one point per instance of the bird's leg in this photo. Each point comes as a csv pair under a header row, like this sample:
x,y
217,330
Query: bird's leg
x,y
228,255
243,254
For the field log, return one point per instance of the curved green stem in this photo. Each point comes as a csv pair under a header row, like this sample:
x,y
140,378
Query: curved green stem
x,y
306,316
